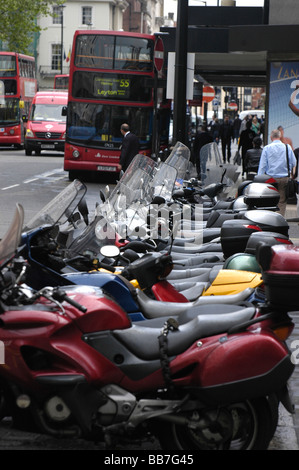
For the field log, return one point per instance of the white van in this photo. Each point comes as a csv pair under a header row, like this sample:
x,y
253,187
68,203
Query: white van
x,y
254,112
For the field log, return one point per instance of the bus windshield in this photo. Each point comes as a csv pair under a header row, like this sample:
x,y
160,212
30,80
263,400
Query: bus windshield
x,y
61,82
9,111
114,52
99,124
8,67
47,112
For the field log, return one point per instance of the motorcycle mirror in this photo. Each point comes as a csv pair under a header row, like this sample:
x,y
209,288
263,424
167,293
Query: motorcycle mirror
x,y
130,255
102,196
109,251
158,200
83,209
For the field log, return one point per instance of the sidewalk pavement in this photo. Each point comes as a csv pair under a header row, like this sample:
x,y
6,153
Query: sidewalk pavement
x,y
287,433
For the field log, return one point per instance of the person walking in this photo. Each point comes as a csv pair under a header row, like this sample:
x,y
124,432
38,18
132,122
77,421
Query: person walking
x,y
202,138
273,162
226,134
255,125
253,156
237,125
214,129
245,143
130,147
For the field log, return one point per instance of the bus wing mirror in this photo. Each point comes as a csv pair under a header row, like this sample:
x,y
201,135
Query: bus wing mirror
x,y
64,111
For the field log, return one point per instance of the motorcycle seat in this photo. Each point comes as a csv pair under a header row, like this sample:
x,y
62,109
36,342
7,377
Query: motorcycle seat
x,y
188,238
210,246
155,309
201,273
143,341
191,290
198,259
189,314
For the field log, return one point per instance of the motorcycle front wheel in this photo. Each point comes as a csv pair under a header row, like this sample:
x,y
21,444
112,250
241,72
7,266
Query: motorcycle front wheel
x,y
239,426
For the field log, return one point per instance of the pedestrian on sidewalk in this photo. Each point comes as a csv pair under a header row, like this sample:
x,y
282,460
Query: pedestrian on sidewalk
x,y
202,138
273,163
253,156
246,143
129,148
236,126
226,134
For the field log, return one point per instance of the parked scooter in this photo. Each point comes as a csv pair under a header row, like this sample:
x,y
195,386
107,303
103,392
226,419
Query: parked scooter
x,y
75,366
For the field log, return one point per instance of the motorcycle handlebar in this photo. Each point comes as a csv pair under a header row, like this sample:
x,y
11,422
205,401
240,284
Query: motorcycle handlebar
x,y
61,295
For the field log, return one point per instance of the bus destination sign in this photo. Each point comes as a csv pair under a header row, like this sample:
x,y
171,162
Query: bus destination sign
x,y
112,88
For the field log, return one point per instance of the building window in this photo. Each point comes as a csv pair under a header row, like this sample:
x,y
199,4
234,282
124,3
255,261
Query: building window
x,y
56,57
87,15
57,15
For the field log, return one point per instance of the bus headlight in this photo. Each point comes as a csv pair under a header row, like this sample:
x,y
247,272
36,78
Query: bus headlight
x,y
76,153
12,131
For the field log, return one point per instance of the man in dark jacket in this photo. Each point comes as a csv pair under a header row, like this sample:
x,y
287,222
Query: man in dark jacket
x,y
202,138
246,142
252,156
226,133
129,148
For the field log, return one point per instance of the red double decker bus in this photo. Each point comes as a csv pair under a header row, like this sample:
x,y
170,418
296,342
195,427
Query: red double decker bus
x,y
18,86
111,82
61,82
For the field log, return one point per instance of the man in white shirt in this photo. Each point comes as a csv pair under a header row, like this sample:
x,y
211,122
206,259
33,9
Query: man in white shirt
x,y
273,162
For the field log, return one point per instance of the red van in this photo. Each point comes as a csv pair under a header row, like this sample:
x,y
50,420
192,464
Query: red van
x,y
46,124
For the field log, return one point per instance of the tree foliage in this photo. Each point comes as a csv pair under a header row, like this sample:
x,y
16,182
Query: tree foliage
x,y
19,21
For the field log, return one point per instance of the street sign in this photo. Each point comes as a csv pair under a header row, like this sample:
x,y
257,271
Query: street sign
x,y
232,106
208,94
159,54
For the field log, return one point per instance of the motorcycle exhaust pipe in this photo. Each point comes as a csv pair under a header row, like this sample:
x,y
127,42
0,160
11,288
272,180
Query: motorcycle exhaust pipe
x,y
182,421
24,401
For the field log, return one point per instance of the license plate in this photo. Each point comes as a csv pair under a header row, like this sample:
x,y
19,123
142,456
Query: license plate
x,y
106,168
48,146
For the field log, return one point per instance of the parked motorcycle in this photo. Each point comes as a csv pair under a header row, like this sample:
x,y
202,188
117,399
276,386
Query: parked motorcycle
x,y
75,366
55,260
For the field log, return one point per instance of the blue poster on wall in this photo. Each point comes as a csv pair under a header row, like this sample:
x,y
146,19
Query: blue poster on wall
x,y
284,100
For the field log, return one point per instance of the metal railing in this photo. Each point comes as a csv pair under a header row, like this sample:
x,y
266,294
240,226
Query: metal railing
x,y
48,71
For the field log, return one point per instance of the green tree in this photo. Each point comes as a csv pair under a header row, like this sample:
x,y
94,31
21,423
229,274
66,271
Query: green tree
x,y
19,21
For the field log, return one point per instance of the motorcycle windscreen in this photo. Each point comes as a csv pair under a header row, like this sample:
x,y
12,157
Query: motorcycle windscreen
x,y
179,159
60,208
212,169
11,239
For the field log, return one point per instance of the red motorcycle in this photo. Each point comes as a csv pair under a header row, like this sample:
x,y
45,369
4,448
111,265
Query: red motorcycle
x,y
76,366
